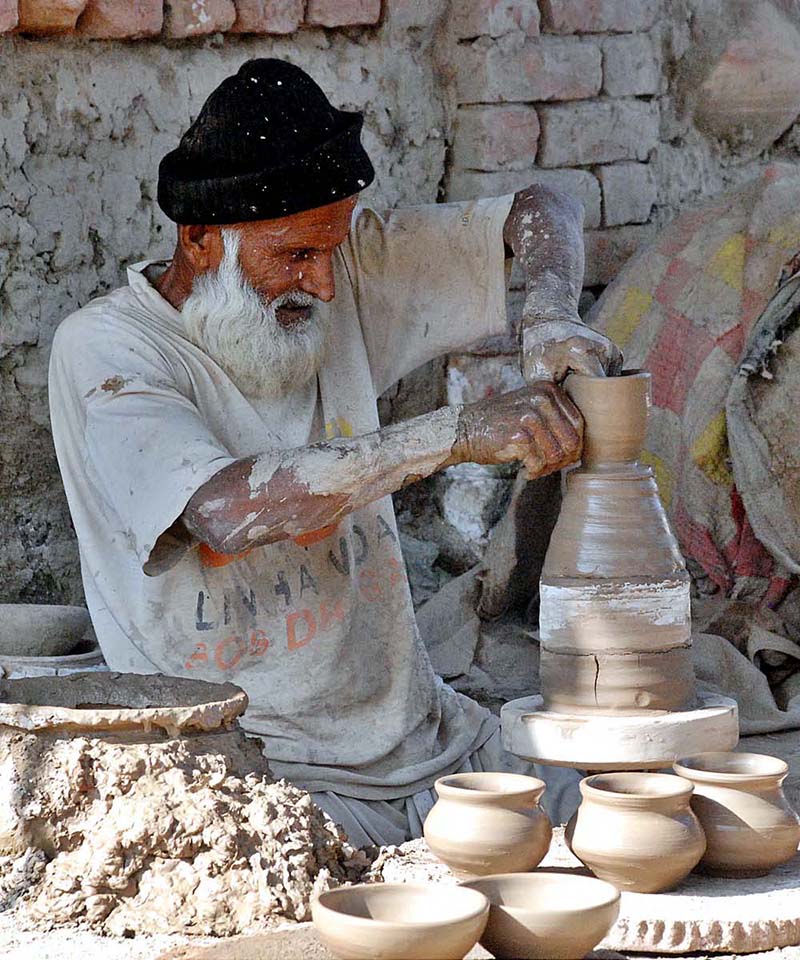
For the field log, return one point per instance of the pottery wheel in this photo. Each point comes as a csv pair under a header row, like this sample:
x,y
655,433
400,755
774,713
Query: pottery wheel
x,y
702,915
602,743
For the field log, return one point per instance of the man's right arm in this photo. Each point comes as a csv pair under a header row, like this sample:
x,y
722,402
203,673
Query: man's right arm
x,y
290,493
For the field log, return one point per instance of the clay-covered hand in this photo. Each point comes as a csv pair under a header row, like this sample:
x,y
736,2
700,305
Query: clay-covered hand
x,y
538,425
553,348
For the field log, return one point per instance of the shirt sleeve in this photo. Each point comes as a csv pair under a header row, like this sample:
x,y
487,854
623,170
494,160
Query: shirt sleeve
x,y
143,450
428,280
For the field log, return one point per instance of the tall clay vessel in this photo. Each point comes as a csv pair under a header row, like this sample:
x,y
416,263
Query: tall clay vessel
x,y
615,622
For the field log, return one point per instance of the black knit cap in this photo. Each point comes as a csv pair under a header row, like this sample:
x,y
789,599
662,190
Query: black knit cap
x,y
267,143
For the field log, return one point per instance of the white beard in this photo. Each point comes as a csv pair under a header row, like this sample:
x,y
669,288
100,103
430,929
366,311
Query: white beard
x,y
226,317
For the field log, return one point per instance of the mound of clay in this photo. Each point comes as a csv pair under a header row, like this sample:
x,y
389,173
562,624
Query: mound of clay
x,y
142,831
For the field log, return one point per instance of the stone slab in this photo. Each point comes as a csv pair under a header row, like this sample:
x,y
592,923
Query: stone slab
x,y
600,742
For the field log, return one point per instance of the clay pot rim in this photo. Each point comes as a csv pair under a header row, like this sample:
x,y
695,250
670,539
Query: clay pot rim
x,y
219,706
633,373
322,900
653,788
536,878
705,767
512,785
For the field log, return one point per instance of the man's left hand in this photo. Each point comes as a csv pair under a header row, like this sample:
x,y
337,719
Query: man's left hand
x,y
553,348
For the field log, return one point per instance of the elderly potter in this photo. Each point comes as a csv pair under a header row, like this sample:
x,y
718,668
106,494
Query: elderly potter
x,y
217,431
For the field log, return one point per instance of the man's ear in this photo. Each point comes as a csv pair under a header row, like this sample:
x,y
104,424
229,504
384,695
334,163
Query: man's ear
x,y
202,246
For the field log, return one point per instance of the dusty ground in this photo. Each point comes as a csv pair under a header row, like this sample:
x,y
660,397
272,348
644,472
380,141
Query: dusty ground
x,y
299,942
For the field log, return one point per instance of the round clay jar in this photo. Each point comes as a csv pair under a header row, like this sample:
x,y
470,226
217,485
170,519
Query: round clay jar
x,y
487,823
738,798
637,830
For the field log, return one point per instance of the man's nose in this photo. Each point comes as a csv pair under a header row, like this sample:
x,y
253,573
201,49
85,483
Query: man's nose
x,y
316,278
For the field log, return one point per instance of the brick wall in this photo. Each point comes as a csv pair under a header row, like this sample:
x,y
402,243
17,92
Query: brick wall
x,y
180,19
567,96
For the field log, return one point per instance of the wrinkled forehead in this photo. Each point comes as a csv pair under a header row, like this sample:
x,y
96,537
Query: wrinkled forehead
x,y
321,228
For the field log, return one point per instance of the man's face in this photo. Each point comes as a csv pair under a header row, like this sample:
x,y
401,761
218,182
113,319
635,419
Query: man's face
x,y
252,306
294,253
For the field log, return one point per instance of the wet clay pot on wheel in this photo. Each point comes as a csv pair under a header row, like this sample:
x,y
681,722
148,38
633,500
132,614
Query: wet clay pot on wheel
x,y
738,798
487,823
615,621
637,830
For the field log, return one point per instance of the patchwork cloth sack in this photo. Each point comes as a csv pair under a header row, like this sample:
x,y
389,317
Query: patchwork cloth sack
x,y
709,309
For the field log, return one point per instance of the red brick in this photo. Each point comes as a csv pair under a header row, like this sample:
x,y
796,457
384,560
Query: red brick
x,y
49,16
577,134
608,250
495,137
631,66
121,19
493,18
599,16
543,69
470,184
196,18
268,16
9,16
629,192
343,13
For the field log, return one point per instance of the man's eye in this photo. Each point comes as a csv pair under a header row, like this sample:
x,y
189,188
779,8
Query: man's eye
x,y
299,255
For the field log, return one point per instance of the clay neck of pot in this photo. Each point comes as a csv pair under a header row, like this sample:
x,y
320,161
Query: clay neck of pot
x,y
659,792
510,792
615,412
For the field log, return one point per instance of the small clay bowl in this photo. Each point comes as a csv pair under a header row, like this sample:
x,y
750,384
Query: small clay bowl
x,y
402,921
636,830
546,914
487,823
738,798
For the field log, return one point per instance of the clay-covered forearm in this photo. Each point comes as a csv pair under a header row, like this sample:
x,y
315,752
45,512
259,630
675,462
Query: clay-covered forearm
x,y
283,494
544,229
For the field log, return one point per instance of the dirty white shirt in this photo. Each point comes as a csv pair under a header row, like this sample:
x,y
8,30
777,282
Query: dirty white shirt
x,y
322,636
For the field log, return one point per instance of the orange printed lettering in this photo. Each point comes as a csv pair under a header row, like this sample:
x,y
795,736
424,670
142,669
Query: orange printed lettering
x,y
369,585
396,576
259,643
291,629
200,655
227,658
327,616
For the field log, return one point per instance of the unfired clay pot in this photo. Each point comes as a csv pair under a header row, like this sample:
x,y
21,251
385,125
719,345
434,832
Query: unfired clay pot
x,y
402,921
615,623
488,823
636,830
738,798
546,914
